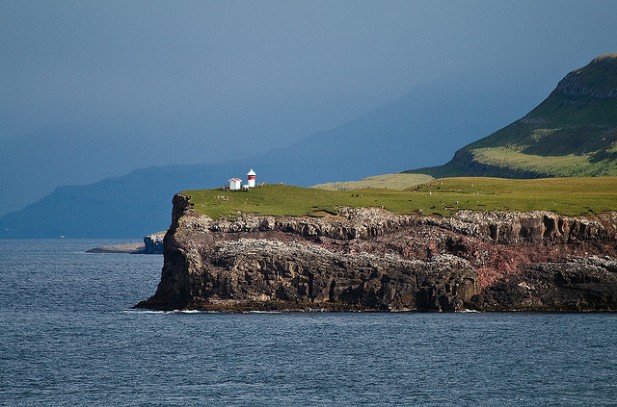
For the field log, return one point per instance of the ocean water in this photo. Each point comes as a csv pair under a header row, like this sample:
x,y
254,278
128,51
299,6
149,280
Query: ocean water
x,y
68,337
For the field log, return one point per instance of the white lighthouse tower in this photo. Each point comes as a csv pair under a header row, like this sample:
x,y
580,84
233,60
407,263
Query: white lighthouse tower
x,y
251,177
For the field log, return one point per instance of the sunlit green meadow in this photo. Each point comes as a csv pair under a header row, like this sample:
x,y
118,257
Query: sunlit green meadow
x,y
567,196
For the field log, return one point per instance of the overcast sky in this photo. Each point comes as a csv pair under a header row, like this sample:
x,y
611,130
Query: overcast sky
x,y
272,69
91,89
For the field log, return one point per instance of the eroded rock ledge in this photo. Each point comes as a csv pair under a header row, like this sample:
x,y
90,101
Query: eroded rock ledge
x,y
371,259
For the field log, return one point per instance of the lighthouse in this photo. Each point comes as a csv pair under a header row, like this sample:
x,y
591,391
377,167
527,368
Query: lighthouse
x,y
251,176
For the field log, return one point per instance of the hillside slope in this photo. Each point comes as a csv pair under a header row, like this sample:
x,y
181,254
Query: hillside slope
x,y
571,133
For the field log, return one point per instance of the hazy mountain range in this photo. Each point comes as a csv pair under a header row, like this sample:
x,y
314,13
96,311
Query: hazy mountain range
x,y
412,132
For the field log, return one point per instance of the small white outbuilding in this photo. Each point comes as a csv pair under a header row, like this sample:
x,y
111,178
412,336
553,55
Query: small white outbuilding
x,y
235,184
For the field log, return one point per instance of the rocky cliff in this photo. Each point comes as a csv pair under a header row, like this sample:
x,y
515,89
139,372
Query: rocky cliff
x,y
371,259
595,81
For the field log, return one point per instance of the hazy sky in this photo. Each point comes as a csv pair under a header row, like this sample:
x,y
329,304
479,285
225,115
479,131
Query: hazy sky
x,y
222,78
281,68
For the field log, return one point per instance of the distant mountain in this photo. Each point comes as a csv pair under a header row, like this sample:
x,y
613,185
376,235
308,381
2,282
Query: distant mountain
x,y
125,206
33,165
422,127
571,133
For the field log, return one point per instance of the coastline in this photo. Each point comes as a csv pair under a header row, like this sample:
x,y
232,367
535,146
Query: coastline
x,y
152,244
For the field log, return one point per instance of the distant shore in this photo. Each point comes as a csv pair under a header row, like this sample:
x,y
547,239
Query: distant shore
x,y
152,244
130,248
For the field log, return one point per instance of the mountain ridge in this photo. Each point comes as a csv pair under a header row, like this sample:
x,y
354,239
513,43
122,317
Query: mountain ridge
x,y
573,132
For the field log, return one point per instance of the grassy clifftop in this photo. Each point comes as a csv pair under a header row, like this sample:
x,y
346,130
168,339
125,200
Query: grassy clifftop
x,y
571,133
441,196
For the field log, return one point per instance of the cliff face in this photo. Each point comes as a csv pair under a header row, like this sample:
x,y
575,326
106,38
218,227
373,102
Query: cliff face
x,y
597,80
153,244
371,259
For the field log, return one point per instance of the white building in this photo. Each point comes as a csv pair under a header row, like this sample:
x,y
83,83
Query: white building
x,y
251,178
235,184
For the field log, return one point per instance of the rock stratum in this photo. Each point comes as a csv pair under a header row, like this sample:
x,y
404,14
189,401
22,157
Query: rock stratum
x,y
373,260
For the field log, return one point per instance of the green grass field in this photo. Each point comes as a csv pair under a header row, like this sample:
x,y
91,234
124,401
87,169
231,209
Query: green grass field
x,y
567,196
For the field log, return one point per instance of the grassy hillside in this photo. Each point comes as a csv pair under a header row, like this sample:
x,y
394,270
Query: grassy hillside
x,y
441,196
572,133
397,182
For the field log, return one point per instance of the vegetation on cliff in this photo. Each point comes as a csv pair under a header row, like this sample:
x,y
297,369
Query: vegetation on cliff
x,y
442,196
571,133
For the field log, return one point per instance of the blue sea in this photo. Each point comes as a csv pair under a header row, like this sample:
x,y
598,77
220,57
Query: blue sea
x,y
69,337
